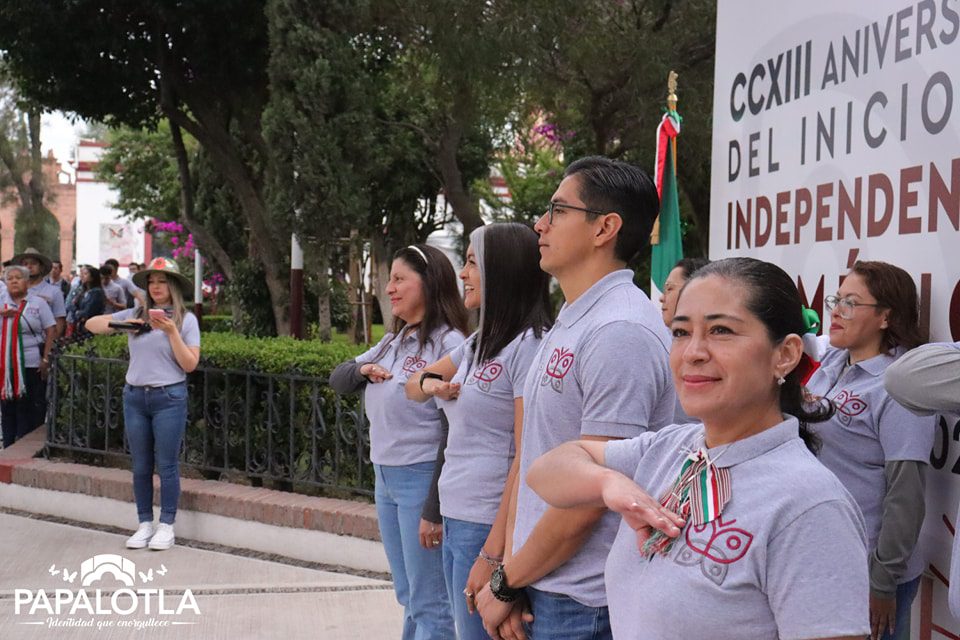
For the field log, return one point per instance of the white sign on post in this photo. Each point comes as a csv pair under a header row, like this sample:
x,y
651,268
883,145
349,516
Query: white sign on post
x,y
836,138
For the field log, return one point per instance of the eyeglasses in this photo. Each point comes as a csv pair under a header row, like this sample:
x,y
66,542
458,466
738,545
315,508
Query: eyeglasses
x,y
845,307
554,207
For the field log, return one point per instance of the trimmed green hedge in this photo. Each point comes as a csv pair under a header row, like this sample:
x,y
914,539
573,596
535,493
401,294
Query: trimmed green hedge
x,y
218,323
231,351
295,432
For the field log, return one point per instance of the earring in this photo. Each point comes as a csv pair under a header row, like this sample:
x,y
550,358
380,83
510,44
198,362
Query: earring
x,y
781,380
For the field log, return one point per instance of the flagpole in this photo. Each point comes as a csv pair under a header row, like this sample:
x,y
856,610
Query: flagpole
x,y
671,106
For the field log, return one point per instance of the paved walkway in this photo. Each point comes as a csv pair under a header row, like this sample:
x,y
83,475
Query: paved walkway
x,y
44,564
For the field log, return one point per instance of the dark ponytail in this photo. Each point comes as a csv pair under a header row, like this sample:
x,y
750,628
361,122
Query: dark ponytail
x,y
773,298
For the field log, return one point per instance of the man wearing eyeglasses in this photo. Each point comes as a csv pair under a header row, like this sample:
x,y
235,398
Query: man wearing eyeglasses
x,y
602,373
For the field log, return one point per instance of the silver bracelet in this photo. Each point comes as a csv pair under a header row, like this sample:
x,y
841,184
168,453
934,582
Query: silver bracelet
x,y
490,560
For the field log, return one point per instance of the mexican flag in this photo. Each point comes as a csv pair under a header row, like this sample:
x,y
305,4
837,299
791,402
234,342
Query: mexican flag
x,y
665,239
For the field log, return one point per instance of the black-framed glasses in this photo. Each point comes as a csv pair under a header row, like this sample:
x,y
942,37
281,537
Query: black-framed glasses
x,y
553,207
845,307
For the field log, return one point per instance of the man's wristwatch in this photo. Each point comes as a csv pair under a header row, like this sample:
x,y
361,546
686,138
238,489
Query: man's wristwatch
x,y
499,587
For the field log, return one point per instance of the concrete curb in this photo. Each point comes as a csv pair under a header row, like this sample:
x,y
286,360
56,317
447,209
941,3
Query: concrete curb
x,y
309,528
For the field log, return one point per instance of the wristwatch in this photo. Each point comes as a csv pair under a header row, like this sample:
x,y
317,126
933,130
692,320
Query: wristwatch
x,y
429,375
499,587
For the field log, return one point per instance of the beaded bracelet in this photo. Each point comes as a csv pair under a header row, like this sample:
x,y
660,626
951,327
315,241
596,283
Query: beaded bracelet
x,y
490,560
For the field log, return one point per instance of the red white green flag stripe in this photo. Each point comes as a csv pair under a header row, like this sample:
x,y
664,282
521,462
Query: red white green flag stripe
x,y
12,384
699,495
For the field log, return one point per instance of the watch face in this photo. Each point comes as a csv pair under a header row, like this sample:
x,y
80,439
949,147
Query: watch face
x,y
496,580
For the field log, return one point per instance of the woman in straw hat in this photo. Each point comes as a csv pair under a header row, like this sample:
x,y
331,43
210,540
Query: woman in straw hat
x,y
164,345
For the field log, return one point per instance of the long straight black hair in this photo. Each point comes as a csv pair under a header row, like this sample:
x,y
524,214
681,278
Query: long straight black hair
x,y
514,290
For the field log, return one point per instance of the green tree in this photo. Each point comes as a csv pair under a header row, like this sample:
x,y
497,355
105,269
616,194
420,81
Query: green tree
x,y
598,71
203,66
21,170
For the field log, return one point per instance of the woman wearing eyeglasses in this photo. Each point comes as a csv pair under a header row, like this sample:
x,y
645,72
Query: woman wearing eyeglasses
x,y
877,448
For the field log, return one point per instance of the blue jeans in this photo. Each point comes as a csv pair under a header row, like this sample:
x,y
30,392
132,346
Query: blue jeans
x,y
560,617
154,421
906,592
462,542
417,572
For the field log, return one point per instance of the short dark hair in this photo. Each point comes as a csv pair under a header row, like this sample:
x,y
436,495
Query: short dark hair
x,y
112,262
54,263
895,290
106,270
443,305
773,298
689,266
622,188
514,289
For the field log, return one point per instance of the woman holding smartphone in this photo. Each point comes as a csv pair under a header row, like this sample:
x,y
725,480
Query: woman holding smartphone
x,y
164,345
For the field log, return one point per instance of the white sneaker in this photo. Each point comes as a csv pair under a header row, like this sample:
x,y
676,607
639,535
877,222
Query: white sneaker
x,y
140,539
163,538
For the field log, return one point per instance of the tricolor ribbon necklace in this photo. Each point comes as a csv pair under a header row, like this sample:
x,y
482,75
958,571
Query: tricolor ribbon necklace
x,y
699,495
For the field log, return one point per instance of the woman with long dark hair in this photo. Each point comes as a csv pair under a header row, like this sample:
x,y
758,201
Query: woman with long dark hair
x,y
88,302
164,344
479,387
429,322
877,448
731,529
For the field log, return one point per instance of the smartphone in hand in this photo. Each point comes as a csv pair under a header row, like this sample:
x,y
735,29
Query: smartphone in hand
x,y
157,314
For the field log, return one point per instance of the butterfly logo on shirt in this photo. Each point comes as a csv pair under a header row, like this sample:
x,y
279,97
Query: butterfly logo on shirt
x,y
561,360
714,546
849,405
412,364
486,375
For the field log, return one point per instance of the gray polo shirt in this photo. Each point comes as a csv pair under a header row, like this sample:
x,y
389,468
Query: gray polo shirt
x,y
480,446
927,379
868,430
52,295
152,362
786,558
602,370
36,319
404,432
114,292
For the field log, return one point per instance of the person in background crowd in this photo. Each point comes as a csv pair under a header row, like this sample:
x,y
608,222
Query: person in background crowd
x,y
677,277
28,331
877,448
155,396
88,302
55,278
116,298
731,529
479,387
40,265
601,373
133,268
429,322
132,294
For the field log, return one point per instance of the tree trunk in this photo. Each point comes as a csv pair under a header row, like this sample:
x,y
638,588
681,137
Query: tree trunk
x,y
204,237
379,277
325,332
465,206
357,326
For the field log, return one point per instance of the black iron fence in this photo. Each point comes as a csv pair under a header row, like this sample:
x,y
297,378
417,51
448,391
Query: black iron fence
x,y
291,430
